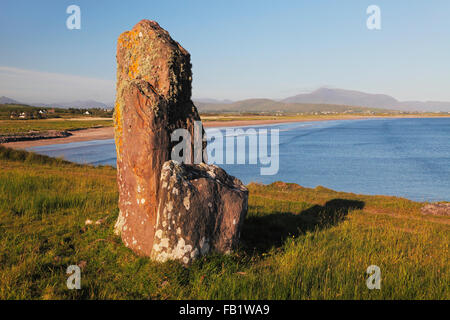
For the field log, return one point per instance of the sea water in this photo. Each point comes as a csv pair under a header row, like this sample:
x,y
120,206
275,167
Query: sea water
x,y
402,157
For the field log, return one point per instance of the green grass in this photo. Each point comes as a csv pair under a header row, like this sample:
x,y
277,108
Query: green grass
x,y
297,243
9,127
32,112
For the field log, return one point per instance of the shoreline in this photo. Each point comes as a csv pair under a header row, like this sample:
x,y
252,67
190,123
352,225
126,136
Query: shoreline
x,y
106,133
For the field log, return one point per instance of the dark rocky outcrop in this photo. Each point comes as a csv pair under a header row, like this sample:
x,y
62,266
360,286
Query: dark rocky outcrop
x,y
153,99
35,135
436,209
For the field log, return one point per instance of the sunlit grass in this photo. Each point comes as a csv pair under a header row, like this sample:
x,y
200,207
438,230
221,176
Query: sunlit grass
x,y
297,243
8,127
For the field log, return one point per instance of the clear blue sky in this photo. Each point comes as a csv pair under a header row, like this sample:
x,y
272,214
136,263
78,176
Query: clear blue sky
x,y
240,49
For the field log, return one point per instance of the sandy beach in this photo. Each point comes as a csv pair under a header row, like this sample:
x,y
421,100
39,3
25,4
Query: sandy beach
x,y
77,136
105,133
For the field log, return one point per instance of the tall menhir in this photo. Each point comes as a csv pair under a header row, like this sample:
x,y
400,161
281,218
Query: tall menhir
x,y
168,210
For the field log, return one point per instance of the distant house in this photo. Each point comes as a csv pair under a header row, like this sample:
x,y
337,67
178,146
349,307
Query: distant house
x,y
87,113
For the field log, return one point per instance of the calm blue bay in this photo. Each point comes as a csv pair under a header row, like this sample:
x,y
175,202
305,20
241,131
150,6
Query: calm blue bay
x,y
403,157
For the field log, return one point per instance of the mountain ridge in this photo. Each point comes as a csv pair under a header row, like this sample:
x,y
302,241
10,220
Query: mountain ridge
x,y
359,98
6,100
318,100
79,104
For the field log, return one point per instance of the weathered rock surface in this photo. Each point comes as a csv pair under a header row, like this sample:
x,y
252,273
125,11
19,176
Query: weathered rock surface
x,y
437,209
153,99
201,209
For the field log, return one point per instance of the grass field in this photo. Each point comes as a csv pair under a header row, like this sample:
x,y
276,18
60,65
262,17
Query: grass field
x,y
9,127
297,243
30,112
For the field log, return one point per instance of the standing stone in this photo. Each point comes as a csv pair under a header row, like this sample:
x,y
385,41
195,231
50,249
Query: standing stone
x,y
153,99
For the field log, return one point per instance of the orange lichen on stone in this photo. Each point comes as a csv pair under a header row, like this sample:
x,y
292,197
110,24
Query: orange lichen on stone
x,y
129,41
133,69
118,128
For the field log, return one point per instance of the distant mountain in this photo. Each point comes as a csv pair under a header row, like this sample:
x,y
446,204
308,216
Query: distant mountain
x,y
271,106
424,106
208,100
357,98
6,100
345,97
80,104
320,100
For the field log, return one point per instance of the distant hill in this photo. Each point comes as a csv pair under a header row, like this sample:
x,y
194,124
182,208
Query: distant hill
x,y
271,106
208,100
320,100
80,104
430,106
345,97
23,111
8,110
358,98
6,100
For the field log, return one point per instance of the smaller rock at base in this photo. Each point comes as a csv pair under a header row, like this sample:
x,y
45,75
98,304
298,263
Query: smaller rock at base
x,y
201,210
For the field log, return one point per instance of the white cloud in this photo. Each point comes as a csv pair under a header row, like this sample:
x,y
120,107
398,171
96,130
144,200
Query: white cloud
x,y
35,86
